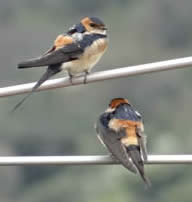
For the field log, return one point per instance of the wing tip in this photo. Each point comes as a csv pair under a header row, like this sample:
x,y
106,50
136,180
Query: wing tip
x,y
20,66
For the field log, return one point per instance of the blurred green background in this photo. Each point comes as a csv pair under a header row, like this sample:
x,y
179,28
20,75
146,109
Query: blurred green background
x,y
61,122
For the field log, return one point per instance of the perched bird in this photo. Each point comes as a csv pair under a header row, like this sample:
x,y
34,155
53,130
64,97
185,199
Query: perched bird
x,y
76,51
120,129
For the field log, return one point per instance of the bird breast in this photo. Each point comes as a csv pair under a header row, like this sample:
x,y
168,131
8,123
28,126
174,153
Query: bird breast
x,y
89,58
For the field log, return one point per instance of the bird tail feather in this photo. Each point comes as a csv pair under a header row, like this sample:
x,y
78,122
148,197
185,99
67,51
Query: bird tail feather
x,y
51,70
135,155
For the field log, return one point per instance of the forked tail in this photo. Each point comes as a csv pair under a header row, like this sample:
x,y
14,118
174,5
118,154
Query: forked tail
x,y
51,70
135,155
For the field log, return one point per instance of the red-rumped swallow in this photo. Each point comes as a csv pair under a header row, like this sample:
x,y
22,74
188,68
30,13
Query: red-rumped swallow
x,y
77,51
120,128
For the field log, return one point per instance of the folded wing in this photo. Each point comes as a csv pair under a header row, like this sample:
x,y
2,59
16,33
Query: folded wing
x,y
112,141
64,50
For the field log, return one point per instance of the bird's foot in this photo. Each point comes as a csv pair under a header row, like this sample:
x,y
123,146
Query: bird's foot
x,y
114,158
71,79
85,77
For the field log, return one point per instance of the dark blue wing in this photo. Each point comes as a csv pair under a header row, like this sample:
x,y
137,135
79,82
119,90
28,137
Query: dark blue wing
x,y
112,141
65,54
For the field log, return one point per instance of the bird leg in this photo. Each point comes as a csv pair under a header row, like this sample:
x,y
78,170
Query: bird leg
x,y
114,158
70,78
85,77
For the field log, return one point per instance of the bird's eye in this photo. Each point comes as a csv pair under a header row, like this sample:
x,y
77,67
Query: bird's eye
x,y
92,25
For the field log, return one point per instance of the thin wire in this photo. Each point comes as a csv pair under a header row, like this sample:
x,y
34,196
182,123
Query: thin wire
x,y
101,76
87,160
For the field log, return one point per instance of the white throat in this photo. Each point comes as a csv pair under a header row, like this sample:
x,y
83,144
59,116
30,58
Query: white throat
x,y
99,31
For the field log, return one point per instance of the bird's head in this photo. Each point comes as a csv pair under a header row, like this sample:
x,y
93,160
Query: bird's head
x,y
94,25
115,103
90,25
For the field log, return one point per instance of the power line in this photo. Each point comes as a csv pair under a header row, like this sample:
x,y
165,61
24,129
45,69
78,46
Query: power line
x,y
100,76
87,160
94,77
